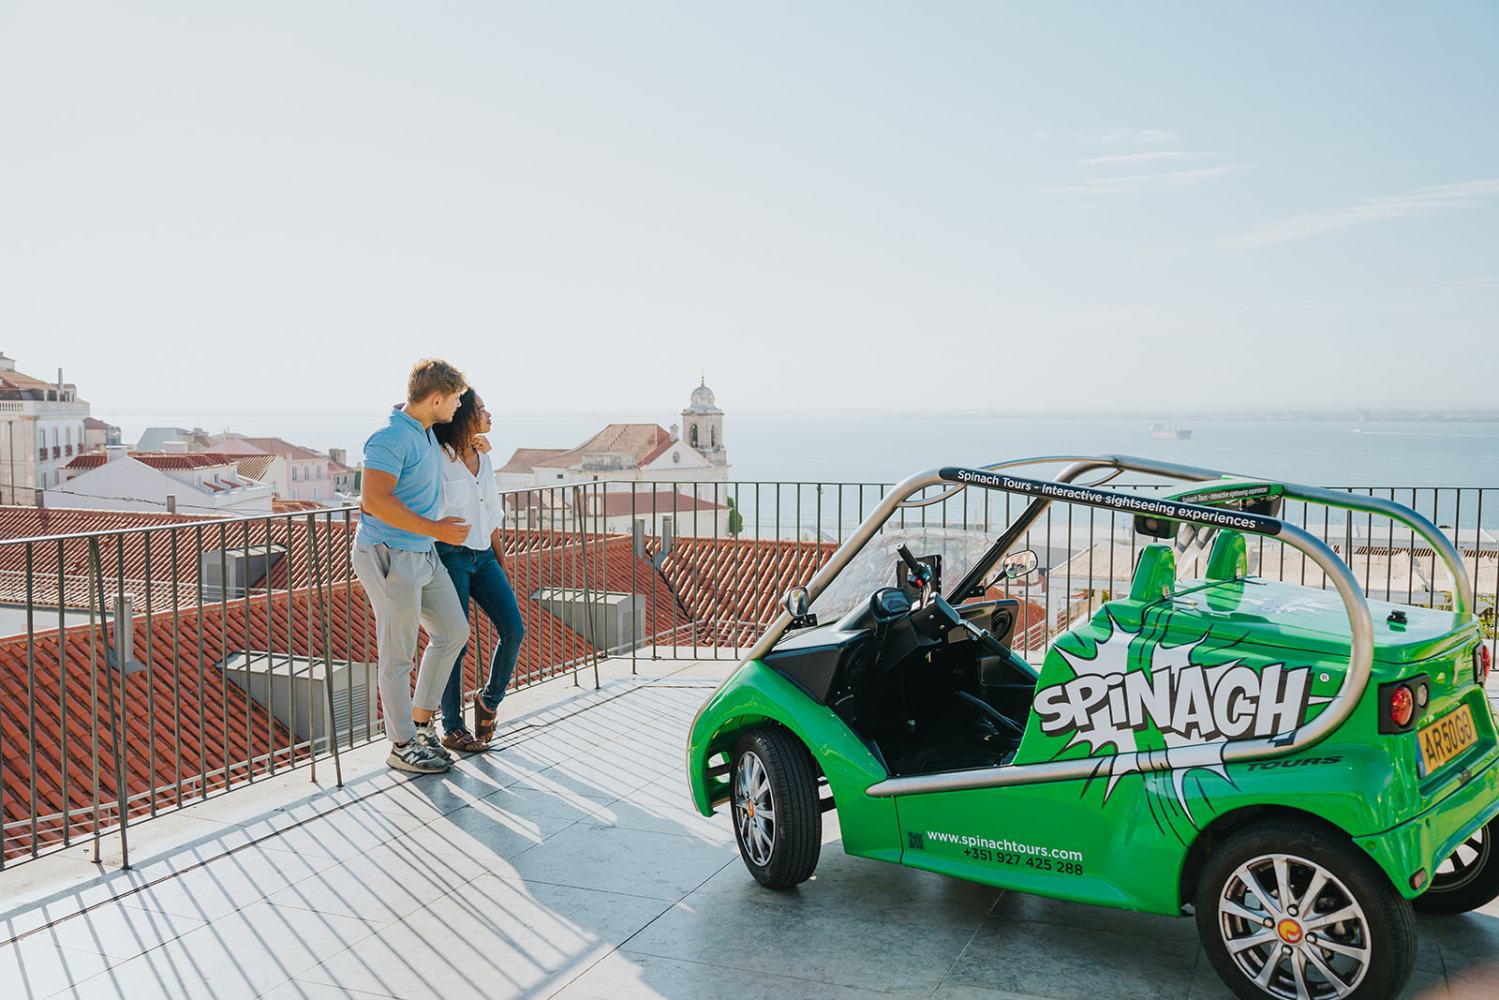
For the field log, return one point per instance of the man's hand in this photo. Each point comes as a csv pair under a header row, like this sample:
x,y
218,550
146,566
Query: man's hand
x,y
452,530
481,444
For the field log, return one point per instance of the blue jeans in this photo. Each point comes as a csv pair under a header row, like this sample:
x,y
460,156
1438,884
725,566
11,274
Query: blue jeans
x,y
478,574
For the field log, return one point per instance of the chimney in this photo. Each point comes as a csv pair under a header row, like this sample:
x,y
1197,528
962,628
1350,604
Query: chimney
x,y
174,447
123,646
339,455
113,452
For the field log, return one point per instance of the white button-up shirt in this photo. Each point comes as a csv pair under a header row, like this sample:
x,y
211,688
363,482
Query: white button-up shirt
x,y
475,498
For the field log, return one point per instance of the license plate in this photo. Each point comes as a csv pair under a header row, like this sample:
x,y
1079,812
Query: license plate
x,y
1447,737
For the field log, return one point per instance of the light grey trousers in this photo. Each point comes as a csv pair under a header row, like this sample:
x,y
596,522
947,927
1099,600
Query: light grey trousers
x,y
407,589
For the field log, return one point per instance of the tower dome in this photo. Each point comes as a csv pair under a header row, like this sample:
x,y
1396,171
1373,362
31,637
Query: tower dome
x,y
703,400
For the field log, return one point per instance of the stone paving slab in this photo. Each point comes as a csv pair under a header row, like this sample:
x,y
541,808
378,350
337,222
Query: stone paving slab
x,y
572,864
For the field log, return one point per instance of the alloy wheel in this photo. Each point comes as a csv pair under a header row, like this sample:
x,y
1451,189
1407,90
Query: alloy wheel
x,y
754,808
1294,929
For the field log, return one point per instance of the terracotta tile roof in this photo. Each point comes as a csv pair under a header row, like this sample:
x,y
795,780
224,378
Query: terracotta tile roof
x,y
731,588
28,522
254,466
656,452
95,424
636,440
537,560
124,553
157,460
220,725
21,382
279,506
277,446
527,459
649,503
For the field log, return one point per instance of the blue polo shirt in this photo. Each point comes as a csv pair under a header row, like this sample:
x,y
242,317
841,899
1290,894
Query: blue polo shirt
x,y
410,452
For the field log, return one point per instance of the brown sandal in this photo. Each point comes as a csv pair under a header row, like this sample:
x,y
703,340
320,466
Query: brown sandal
x,y
484,720
463,741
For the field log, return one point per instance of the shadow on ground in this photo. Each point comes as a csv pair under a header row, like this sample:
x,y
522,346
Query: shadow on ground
x,y
572,864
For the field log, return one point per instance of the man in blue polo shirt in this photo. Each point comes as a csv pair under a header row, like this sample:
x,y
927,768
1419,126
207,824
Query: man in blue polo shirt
x,y
395,560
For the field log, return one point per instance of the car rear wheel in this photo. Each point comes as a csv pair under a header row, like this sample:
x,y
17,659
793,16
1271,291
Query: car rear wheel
x,y
777,818
1292,911
1468,879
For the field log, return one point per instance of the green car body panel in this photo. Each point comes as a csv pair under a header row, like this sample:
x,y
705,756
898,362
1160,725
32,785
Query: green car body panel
x,y
1176,663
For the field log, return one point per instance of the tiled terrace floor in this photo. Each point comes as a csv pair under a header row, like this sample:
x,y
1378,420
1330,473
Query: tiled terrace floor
x,y
571,864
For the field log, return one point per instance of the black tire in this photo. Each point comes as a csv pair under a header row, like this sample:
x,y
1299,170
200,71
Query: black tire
x,y
1381,925
785,853
1468,879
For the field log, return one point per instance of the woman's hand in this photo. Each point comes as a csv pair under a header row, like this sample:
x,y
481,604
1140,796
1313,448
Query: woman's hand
x,y
481,444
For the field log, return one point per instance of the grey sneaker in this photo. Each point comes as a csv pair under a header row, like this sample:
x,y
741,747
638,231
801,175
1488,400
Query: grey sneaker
x,y
427,737
414,756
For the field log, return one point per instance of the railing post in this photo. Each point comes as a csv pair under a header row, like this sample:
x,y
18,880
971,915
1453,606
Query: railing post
x,y
317,587
122,804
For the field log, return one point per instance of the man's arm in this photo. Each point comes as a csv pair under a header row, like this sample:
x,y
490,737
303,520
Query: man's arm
x,y
380,500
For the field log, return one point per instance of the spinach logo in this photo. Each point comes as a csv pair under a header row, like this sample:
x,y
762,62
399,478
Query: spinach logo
x,y
1133,696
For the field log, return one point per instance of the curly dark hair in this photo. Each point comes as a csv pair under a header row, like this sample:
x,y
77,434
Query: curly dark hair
x,y
457,435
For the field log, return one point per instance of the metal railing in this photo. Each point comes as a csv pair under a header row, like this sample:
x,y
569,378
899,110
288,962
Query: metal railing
x,y
146,668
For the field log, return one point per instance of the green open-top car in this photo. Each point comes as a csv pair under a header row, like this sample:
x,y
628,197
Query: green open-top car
x,y
1297,765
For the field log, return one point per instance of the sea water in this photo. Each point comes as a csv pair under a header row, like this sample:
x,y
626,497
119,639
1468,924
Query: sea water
x,y
839,447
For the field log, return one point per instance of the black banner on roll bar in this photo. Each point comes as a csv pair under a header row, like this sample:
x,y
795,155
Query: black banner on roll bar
x,y
1130,504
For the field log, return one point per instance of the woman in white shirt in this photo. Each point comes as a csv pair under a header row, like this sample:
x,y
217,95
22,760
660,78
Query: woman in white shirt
x,y
478,570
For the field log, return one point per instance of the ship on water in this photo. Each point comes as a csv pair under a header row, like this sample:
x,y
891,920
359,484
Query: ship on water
x,y
1170,432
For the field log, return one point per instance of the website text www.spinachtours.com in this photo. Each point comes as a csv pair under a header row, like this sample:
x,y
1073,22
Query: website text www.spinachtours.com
x,y
1009,852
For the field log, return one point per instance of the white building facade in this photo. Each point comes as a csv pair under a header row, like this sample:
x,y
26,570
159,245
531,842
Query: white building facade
x,y
308,476
188,483
41,430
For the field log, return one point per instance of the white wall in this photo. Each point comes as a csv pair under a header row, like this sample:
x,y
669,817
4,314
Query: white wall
x,y
126,484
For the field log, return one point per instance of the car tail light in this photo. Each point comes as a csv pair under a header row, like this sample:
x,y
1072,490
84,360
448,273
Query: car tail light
x,y
1400,702
1402,706
1483,662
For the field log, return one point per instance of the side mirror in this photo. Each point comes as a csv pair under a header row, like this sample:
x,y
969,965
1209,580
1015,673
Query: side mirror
x,y
1020,564
797,603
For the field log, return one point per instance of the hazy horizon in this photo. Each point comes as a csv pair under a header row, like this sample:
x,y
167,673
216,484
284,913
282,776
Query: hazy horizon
x,y
846,207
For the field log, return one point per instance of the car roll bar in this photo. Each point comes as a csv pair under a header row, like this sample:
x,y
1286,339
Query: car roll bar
x,y
1080,465
1333,715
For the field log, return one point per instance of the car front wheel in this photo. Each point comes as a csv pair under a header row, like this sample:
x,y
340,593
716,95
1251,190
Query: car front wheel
x,y
1468,879
777,819
1293,911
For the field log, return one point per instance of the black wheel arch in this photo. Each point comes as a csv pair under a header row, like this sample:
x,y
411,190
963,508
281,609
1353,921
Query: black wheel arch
x,y
723,744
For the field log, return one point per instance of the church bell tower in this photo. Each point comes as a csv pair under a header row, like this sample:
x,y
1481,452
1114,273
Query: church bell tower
x,y
702,425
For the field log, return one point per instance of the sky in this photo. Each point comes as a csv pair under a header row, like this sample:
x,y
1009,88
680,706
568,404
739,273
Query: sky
x,y
276,207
